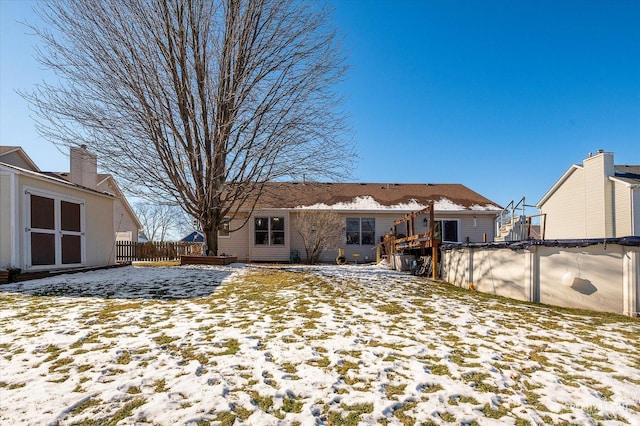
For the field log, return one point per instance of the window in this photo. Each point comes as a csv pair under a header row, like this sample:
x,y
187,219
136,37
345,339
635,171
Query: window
x,y
223,228
450,230
361,231
269,231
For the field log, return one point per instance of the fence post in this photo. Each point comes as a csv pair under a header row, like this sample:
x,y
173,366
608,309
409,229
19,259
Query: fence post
x,y
631,281
531,282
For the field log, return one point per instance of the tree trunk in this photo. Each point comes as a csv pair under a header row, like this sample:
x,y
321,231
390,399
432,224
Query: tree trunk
x,y
211,241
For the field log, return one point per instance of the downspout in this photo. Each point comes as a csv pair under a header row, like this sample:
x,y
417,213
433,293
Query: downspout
x,y
635,191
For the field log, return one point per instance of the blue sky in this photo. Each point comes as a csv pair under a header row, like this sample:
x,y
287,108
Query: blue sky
x,y
501,96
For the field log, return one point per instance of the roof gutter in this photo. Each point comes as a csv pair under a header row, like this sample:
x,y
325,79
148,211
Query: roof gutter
x,y
40,177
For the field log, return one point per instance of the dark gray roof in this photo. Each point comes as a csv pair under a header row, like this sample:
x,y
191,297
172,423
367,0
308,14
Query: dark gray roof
x,y
628,174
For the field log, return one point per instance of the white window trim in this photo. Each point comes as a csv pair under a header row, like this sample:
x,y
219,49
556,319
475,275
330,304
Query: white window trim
x,y
360,230
269,244
442,219
228,220
57,231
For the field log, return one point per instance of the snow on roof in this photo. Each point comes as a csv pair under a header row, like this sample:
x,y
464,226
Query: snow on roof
x,y
373,196
368,203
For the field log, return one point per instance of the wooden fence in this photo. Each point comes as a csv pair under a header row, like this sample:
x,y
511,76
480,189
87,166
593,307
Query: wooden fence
x,y
129,251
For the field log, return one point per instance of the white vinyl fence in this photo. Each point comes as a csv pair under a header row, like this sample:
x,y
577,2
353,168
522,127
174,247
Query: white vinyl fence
x,y
598,275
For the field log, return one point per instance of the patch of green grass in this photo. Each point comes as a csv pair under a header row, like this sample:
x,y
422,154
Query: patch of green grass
x,y
124,412
86,404
400,413
431,388
494,413
133,390
226,418
459,357
61,379
323,362
627,379
292,405
605,391
124,358
533,400
241,412
354,413
53,351
232,347
391,308
478,379
163,339
447,417
343,366
60,363
289,368
439,369
16,385
264,402
393,390
160,386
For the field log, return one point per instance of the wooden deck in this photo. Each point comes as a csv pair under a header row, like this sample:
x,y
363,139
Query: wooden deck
x,y
207,260
413,243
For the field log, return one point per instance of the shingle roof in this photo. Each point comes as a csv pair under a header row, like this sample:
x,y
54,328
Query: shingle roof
x,y
379,195
5,149
629,174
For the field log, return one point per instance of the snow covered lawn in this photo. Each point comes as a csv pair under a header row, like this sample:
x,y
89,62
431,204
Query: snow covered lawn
x,y
307,345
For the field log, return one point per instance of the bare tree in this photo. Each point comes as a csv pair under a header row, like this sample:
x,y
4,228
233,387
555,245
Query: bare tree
x,y
160,221
196,102
319,230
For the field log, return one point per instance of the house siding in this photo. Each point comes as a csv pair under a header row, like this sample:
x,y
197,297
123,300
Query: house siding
x,y
6,214
274,253
237,244
565,209
484,224
122,220
14,158
635,195
622,210
598,191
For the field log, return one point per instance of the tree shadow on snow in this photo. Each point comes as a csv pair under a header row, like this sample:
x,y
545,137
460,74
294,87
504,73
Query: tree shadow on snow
x,y
167,283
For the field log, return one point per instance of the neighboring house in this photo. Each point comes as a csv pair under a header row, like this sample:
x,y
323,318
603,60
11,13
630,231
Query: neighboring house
x,y
368,209
194,237
594,200
55,220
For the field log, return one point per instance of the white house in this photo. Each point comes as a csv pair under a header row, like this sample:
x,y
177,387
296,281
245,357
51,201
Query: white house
x,y
54,220
368,209
596,199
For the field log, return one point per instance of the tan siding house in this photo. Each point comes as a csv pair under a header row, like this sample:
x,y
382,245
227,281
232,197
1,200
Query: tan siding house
x,y
48,221
367,209
623,208
594,200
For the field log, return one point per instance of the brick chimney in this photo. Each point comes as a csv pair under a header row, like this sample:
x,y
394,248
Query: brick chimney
x,y
84,167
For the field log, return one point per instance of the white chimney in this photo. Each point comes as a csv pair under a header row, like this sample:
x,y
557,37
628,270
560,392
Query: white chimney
x,y
84,167
599,196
